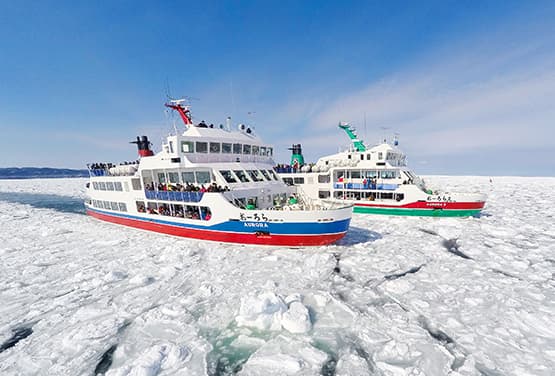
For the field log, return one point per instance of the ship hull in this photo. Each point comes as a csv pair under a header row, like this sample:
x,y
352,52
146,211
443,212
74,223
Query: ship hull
x,y
426,209
256,233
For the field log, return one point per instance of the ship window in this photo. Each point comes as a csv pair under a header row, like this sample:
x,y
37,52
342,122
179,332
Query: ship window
x,y
349,156
355,174
270,151
188,177
122,206
187,147
109,186
191,212
399,196
323,194
362,157
203,177
298,180
255,150
95,185
241,175
368,157
254,175
152,208
371,174
237,148
228,176
226,148
288,181
388,174
246,149
272,174
102,186
173,177
205,213
380,155
263,151
140,206
114,206
265,174
171,147
162,177
324,178
214,147
117,186
202,147
386,196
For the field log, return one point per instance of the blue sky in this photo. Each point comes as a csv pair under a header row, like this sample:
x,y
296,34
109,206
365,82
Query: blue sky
x,y
469,86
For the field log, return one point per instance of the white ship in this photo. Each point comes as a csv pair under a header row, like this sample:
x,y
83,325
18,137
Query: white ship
x,y
212,183
374,180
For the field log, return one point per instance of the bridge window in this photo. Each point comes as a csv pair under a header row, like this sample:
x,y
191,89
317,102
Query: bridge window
x,y
237,148
255,150
188,177
270,151
288,181
241,175
323,194
226,148
255,176
380,155
203,177
263,151
173,177
265,174
298,180
214,147
246,149
187,147
324,178
272,174
202,147
228,176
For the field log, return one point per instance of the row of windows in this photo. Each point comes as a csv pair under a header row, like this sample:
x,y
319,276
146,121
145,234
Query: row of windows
x,y
175,210
364,195
246,176
366,174
110,205
107,186
225,148
191,177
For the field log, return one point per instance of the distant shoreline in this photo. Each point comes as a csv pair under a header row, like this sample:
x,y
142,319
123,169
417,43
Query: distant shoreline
x,y
40,172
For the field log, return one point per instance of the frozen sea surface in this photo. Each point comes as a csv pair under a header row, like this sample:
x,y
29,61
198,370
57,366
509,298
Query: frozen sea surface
x,y
396,296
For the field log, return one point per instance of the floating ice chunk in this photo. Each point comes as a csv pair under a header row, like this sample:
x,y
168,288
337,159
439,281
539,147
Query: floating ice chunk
x,y
161,357
285,356
263,311
244,341
141,280
352,364
115,276
297,318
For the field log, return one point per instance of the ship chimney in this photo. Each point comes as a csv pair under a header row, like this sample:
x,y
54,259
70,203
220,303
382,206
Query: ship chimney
x,y
143,146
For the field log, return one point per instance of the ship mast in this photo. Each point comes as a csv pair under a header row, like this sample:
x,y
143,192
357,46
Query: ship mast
x,y
359,145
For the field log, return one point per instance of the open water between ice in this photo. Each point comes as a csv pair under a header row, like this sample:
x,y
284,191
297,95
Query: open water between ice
x,y
396,296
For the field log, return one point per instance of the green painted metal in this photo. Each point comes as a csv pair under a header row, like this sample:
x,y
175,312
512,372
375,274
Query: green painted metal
x,y
417,212
359,145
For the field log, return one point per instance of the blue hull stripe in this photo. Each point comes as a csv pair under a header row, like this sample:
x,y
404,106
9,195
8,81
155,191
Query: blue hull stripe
x,y
296,228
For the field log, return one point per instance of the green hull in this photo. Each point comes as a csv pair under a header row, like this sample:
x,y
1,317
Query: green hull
x,y
417,212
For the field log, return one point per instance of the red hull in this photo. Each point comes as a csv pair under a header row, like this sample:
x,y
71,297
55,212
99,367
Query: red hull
x,y
220,236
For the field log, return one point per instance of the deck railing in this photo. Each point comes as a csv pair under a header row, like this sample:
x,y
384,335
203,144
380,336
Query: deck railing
x,y
174,196
379,186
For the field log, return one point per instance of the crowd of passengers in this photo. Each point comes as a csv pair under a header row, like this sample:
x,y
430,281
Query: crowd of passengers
x,y
190,212
188,187
106,166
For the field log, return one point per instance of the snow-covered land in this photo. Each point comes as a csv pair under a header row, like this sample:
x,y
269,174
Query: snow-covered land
x,y
396,296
